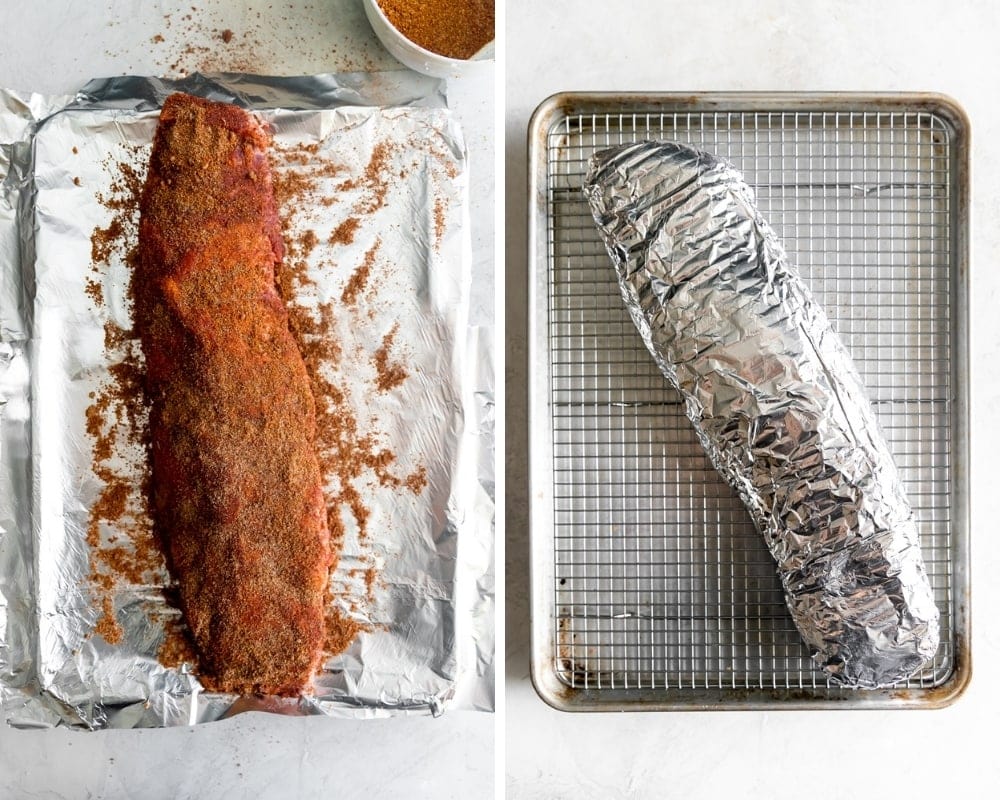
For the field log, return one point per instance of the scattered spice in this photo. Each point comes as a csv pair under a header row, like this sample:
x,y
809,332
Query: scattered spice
x,y
390,375
344,232
346,453
190,42
359,279
76,181
103,241
439,222
417,481
119,530
252,50
107,625
94,292
176,649
452,28
375,177
118,239
300,185
308,241
341,630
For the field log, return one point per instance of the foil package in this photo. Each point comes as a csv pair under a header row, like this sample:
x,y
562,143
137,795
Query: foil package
x,y
775,400
422,572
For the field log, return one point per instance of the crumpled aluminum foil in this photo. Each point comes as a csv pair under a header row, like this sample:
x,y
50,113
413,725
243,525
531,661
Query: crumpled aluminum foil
x,y
431,611
776,402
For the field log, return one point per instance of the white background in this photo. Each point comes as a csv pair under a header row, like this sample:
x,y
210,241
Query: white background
x,y
54,46
766,45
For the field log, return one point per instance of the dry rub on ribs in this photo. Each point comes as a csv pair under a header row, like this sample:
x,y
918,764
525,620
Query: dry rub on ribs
x,y
237,498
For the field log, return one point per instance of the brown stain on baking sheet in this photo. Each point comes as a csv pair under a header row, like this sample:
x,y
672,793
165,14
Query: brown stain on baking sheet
x,y
579,686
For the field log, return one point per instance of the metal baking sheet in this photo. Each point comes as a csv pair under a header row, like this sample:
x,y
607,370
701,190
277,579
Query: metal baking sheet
x,y
411,581
651,589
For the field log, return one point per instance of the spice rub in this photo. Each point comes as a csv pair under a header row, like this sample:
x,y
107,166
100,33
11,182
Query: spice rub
x,y
237,501
452,28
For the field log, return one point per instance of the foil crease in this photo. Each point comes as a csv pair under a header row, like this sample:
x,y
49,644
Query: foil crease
x,y
775,400
430,646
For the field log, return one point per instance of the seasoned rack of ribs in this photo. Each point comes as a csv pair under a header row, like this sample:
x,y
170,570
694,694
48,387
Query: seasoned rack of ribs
x,y
237,499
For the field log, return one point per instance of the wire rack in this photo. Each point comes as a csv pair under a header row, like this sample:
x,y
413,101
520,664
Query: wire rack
x,y
660,580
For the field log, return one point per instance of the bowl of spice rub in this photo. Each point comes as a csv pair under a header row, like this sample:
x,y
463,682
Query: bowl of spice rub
x,y
436,37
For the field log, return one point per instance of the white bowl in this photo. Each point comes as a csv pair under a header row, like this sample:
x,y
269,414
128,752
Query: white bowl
x,y
415,56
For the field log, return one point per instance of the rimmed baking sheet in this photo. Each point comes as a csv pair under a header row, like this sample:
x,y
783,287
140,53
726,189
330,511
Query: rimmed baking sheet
x,y
651,589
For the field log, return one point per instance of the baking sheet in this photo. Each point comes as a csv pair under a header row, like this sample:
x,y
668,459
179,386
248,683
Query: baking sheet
x,y
650,587
405,579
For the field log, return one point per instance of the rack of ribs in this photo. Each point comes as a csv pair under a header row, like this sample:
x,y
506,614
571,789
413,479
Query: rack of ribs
x,y
237,497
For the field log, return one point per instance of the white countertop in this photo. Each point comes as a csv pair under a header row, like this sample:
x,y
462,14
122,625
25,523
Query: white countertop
x,y
768,45
54,46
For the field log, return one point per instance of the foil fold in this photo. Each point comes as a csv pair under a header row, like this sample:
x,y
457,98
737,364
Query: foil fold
x,y
429,646
775,400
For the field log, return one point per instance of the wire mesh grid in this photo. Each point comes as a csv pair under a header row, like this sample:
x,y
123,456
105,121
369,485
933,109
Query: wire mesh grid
x,y
661,580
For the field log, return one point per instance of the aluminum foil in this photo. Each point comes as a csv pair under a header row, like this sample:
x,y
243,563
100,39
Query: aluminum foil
x,y
776,402
429,643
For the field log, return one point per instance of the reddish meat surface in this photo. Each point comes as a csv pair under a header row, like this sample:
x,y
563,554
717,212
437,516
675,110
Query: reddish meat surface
x,y
237,498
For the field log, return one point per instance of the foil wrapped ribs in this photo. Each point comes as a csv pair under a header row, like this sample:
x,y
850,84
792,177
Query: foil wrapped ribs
x,y
775,400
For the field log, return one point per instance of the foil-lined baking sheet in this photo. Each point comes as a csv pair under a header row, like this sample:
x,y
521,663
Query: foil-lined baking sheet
x,y
415,576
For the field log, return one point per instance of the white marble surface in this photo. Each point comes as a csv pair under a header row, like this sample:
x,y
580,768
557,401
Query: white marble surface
x,y
765,45
53,46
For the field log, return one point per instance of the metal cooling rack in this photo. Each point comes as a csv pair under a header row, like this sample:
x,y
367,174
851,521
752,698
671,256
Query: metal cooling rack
x,y
651,587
